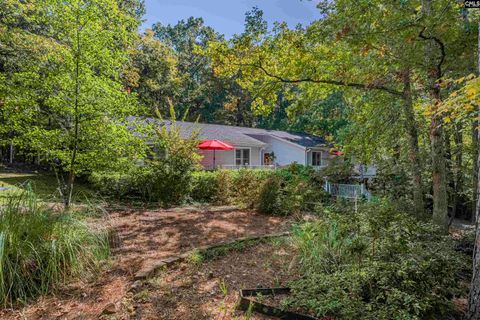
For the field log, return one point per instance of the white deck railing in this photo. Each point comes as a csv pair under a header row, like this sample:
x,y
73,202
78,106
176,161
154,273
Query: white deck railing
x,y
228,166
347,191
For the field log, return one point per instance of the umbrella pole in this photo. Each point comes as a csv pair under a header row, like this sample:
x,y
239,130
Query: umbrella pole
x,y
213,159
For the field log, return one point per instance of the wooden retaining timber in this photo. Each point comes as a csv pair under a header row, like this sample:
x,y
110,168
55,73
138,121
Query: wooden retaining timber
x,y
149,270
247,304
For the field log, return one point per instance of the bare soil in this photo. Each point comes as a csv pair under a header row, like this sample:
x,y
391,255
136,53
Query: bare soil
x,y
145,235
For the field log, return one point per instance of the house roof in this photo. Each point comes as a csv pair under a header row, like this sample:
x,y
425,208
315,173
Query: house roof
x,y
239,136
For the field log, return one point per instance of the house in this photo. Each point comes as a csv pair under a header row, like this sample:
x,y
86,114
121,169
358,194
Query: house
x,y
257,148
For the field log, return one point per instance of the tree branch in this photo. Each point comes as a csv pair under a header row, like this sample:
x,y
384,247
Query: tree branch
x,y
441,45
364,86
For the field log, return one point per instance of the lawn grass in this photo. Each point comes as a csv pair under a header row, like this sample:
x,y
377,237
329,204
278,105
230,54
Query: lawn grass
x,y
43,184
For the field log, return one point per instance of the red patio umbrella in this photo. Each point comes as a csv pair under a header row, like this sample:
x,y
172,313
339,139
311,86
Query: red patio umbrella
x,y
214,145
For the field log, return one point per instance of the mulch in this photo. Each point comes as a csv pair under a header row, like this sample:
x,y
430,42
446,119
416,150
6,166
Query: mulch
x,y
144,236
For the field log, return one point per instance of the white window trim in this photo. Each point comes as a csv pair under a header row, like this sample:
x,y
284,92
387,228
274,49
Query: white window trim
x,y
249,156
322,160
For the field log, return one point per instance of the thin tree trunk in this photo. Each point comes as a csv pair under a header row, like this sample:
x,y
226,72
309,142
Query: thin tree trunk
x,y
476,152
413,152
73,158
449,168
473,312
458,176
437,140
10,160
439,174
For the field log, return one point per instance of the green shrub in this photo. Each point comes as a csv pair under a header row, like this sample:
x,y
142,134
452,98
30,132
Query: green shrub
x,y
377,264
213,187
40,248
270,197
224,194
112,184
283,191
166,177
172,181
246,186
204,186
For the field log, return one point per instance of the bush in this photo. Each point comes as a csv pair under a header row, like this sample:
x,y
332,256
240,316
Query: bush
x,y
166,176
205,186
172,181
113,184
270,197
246,186
377,264
213,187
338,170
40,248
283,191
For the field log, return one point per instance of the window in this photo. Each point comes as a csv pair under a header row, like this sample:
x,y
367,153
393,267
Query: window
x,y
242,157
268,158
317,159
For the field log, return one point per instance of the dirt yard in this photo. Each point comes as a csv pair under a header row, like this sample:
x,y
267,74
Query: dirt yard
x,y
144,235
210,290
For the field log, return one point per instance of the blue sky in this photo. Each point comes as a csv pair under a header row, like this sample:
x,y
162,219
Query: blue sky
x,y
227,16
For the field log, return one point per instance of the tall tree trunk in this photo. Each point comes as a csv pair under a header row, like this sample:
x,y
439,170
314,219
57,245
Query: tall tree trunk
x,y
437,139
10,160
458,175
473,312
476,153
449,168
73,157
413,152
439,174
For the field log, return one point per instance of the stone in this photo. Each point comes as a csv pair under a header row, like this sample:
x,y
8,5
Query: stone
x,y
109,309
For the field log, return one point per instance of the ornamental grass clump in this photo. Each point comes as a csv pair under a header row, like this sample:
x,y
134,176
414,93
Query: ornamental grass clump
x,y
41,248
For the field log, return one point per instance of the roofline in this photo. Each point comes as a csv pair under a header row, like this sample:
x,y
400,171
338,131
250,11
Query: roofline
x,y
267,132
289,142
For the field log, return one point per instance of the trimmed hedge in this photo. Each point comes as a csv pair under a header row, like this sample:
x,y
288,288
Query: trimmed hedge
x,y
280,191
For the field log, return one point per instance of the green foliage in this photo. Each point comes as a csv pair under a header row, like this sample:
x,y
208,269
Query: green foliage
x,y
212,187
118,185
324,117
152,73
170,173
338,170
379,263
166,177
40,248
283,191
246,186
269,199
65,99
228,186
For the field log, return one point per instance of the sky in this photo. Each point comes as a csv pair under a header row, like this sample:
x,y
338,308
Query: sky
x,y
227,16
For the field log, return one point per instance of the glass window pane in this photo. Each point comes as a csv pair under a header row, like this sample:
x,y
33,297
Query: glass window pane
x,y
246,156
316,158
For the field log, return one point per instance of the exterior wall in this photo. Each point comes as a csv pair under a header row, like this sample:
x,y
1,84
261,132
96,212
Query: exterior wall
x,y
227,157
285,153
326,156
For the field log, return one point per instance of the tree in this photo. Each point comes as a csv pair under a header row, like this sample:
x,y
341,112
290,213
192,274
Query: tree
x,y
199,91
152,73
373,47
73,99
462,106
